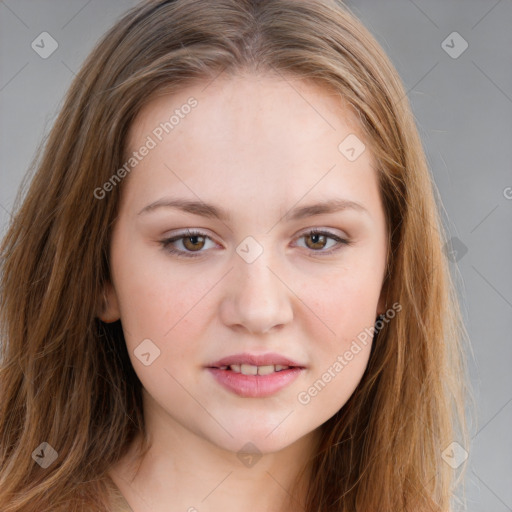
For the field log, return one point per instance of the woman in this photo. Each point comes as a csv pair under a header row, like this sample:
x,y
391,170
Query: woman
x,y
226,285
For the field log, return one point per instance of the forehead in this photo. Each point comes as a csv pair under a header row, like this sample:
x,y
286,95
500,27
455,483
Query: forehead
x,y
250,135
234,107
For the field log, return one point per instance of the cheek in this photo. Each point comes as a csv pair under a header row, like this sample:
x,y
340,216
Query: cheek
x,y
343,311
167,309
348,320
341,350
154,295
171,307
344,300
169,314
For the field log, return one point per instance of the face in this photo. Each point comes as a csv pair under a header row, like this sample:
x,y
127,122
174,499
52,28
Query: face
x,y
222,264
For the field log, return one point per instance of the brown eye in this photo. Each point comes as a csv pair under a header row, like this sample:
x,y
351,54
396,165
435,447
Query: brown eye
x,y
323,242
318,240
189,244
193,243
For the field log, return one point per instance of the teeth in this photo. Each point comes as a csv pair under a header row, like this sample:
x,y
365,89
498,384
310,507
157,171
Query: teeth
x,y
266,370
249,369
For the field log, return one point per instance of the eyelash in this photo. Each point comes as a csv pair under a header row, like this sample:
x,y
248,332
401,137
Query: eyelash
x,y
166,243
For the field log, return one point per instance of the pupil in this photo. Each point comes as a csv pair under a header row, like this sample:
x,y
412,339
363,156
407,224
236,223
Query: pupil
x,y
193,242
315,238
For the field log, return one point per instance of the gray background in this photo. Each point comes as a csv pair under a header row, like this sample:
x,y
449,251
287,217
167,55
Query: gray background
x,y
463,108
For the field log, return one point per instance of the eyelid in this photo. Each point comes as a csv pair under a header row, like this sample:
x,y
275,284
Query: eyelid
x,y
323,231
191,232
342,240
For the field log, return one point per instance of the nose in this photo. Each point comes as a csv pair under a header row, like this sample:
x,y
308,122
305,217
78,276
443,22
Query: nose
x,y
257,298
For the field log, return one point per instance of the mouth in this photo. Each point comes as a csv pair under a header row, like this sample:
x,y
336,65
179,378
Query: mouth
x,y
255,376
243,363
250,369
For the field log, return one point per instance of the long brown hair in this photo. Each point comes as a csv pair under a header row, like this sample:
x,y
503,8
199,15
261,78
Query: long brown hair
x,y
65,376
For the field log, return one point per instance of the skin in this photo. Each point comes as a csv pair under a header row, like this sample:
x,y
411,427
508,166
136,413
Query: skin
x,y
257,146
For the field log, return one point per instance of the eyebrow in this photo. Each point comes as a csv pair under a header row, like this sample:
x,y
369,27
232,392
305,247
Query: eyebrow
x,y
216,212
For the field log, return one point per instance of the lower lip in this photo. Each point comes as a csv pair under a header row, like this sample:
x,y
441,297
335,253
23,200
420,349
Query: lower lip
x,y
255,386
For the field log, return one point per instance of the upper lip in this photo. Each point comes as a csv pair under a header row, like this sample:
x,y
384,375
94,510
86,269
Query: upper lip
x,y
255,360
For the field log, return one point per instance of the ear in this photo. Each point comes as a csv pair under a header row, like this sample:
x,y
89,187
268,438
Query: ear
x,y
109,309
